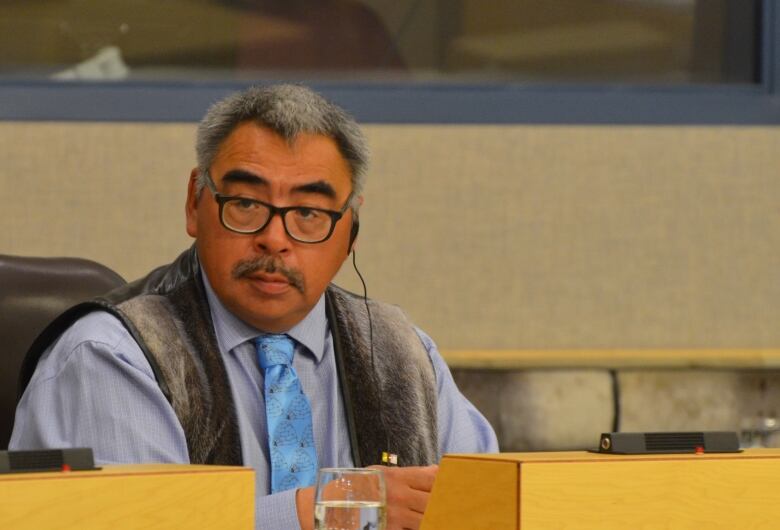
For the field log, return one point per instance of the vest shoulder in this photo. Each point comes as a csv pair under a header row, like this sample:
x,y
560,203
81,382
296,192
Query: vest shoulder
x,y
390,324
162,280
349,298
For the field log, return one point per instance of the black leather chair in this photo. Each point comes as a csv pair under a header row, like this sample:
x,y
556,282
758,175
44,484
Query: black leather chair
x,y
32,292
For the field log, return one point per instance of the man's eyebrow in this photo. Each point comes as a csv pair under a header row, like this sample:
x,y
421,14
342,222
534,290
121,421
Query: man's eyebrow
x,y
319,187
239,175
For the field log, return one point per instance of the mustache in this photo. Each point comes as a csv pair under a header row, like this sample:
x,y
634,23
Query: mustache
x,y
270,265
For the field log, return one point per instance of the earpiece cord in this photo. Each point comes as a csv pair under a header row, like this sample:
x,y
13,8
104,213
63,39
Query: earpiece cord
x,y
371,342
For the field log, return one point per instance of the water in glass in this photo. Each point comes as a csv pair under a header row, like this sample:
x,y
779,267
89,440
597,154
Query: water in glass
x,y
349,515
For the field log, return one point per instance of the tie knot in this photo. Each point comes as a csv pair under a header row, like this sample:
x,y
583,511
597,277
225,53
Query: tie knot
x,y
274,349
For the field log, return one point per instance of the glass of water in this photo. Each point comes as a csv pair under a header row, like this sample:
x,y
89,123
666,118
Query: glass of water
x,y
350,499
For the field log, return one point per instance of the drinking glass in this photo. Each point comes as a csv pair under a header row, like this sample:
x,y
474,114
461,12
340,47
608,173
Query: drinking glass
x,y
350,499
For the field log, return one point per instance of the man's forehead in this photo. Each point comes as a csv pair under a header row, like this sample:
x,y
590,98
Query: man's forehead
x,y
253,154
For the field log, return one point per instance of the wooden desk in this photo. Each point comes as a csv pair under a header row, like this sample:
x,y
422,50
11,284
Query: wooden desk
x,y
585,491
164,496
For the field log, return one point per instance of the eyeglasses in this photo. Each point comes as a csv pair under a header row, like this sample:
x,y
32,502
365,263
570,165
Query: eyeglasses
x,y
250,216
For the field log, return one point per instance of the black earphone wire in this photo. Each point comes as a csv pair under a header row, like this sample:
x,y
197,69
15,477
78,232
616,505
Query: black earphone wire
x,y
371,342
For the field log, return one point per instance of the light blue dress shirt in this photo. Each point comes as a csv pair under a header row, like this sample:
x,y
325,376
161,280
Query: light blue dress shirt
x,y
94,388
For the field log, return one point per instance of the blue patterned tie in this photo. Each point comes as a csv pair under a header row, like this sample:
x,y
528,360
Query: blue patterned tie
x,y
288,414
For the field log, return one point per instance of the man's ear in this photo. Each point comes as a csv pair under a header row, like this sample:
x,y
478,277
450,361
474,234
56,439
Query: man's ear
x,y
191,207
353,232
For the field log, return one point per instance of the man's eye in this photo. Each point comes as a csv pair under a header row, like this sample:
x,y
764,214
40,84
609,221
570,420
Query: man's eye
x,y
308,214
245,204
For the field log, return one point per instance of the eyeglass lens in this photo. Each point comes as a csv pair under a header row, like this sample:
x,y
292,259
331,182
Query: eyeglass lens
x,y
304,224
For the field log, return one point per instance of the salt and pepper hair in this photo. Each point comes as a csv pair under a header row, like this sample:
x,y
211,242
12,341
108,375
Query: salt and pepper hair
x,y
287,110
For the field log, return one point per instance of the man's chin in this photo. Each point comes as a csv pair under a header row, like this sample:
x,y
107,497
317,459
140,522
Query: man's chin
x,y
273,313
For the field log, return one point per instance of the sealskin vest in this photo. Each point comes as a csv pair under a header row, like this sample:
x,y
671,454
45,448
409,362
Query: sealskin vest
x,y
167,314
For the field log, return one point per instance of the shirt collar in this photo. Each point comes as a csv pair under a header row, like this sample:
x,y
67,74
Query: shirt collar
x,y
231,331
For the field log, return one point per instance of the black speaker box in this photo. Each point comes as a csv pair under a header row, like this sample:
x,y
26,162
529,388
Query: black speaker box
x,y
641,443
75,459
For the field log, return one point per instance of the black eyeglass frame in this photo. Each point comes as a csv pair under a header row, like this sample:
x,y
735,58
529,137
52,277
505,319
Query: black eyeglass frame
x,y
281,211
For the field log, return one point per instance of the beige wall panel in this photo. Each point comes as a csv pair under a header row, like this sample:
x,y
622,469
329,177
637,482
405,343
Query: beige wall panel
x,y
110,192
489,236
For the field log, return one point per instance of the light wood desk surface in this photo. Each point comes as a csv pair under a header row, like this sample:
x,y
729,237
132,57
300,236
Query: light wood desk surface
x,y
587,491
160,496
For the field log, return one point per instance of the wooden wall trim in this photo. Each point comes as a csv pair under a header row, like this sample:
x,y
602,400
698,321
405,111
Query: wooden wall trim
x,y
747,358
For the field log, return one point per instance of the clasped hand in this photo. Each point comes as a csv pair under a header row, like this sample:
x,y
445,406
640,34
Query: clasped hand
x,y
408,489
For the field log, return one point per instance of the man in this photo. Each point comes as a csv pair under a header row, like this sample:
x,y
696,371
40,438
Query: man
x,y
241,351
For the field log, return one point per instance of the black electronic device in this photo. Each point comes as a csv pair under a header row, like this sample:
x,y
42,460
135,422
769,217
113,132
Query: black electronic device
x,y
642,443
74,459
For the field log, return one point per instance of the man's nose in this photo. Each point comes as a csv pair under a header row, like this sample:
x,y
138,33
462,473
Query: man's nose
x,y
273,239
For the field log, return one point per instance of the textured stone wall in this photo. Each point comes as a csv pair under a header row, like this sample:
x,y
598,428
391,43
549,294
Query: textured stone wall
x,y
542,410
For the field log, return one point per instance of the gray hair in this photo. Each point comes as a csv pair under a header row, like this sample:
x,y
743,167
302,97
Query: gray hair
x,y
287,110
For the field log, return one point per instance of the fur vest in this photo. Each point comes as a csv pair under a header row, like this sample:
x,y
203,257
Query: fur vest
x,y
167,314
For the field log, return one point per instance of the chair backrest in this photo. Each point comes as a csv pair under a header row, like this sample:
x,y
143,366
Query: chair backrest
x,y
32,292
